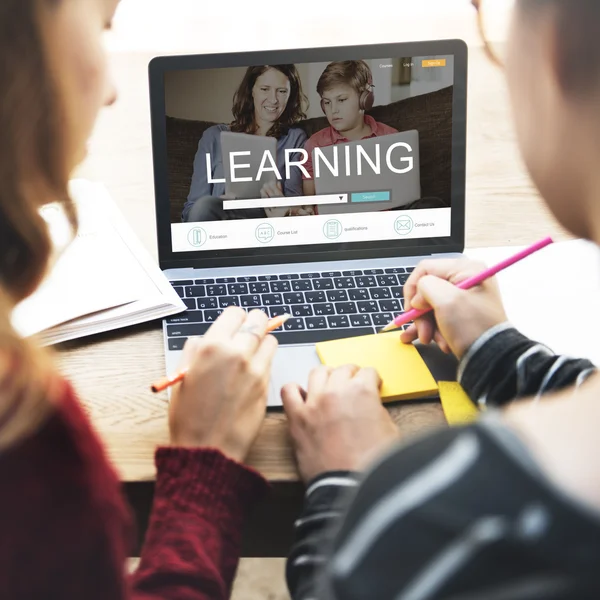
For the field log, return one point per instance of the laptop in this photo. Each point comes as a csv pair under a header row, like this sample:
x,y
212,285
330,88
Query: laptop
x,y
339,273
378,187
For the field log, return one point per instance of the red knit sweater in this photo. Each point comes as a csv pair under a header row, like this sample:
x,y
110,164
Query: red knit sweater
x,y
65,530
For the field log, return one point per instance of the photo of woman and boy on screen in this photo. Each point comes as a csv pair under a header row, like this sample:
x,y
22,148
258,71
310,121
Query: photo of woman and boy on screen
x,y
270,102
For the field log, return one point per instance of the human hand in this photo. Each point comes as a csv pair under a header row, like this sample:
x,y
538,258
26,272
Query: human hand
x,y
300,211
222,400
271,189
341,425
460,316
228,197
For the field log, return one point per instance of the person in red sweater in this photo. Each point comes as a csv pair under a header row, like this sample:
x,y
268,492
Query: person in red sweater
x,y
65,529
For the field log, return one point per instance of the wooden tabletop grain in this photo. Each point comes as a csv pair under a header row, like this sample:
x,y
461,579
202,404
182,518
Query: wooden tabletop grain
x,y
112,371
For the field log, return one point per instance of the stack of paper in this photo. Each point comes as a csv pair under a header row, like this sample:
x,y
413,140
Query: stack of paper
x,y
105,279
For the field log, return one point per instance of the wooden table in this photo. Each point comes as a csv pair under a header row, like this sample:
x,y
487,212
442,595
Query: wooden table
x,y
112,371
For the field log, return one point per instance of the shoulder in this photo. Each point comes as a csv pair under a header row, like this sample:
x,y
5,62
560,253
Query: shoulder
x,y
62,442
383,129
213,133
296,135
321,138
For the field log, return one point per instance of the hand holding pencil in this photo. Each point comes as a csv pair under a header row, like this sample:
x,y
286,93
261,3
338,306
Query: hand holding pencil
x,y
460,315
225,375
165,382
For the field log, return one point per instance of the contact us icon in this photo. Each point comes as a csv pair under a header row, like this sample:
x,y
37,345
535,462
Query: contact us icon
x,y
403,225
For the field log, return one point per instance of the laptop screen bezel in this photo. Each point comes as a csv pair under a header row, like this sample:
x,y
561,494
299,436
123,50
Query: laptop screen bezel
x,y
315,252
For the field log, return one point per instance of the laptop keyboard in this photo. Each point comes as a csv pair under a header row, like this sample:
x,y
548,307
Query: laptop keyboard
x,y
324,305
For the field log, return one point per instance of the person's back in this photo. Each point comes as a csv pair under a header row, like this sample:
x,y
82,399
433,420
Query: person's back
x,y
507,508
65,528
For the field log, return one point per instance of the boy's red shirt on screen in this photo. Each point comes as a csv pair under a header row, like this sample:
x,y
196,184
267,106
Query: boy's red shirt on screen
x,y
331,136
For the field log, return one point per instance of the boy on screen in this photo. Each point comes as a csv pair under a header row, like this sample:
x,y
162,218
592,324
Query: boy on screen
x,y
346,91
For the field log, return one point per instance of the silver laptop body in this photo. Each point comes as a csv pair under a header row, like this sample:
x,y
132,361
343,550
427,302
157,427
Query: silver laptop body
x,y
333,288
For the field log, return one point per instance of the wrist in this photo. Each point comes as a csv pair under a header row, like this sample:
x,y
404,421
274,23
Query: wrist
x,y
471,337
235,452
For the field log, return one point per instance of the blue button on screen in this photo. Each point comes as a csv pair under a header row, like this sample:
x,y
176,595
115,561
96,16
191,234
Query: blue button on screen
x,y
370,197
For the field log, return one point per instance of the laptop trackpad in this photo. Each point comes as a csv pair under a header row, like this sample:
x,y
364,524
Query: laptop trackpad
x,y
292,364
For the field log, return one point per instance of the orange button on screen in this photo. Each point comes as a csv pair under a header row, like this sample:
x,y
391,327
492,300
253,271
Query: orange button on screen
x,y
438,62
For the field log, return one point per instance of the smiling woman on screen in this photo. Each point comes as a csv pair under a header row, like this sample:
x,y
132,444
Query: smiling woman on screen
x,y
269,101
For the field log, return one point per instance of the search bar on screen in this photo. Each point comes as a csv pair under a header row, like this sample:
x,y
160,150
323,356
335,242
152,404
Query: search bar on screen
x,y
283,201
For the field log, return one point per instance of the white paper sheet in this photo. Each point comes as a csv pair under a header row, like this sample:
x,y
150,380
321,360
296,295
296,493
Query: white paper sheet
x,y
104,279
553,296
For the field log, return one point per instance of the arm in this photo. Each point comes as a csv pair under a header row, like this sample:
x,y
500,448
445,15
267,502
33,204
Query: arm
x,y
202,490
416,529
315,577
193,541
65,527
503,365
517,366
497,363
200,187
324,501
337,426
308,187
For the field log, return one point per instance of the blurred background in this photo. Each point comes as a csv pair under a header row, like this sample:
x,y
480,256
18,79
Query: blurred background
x,y
228,25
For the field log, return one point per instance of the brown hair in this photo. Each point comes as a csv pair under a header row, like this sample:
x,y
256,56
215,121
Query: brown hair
x,y
577,24
355,73
33,171
243,104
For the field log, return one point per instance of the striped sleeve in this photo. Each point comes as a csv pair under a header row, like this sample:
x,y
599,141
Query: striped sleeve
x,y
433,521
504,365
323,501
414,528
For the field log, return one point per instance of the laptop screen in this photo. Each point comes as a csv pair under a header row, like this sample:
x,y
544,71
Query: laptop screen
x,y
310,154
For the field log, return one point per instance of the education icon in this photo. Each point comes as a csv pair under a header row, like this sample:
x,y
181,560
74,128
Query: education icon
x,y
197,237
265,233
332,229
403,225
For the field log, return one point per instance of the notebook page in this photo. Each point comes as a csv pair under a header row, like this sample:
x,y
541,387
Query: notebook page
x,y
92,273
104,277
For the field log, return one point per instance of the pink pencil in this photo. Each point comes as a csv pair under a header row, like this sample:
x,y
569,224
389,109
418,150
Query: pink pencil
x,y
413,314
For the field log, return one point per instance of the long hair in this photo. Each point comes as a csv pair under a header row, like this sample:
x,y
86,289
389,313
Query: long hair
x,y
243,103
33,171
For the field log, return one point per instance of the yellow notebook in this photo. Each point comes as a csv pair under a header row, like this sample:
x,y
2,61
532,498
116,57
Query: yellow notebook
x,y
458,407
404,373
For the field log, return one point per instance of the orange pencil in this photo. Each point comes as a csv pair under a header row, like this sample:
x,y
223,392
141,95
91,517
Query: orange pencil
x,y
165,382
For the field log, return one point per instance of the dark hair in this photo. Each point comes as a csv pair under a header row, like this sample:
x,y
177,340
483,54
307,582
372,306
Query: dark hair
x,y
355,73
578,34
243,103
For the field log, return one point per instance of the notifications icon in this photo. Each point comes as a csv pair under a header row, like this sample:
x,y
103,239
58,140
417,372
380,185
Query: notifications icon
x,y
403,225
